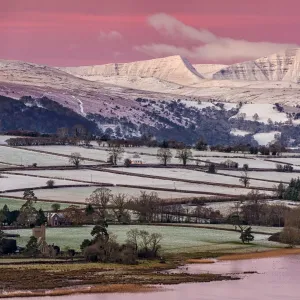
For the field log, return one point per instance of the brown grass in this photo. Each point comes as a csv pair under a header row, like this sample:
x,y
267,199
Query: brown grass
x,y
200,261
263,254
111,288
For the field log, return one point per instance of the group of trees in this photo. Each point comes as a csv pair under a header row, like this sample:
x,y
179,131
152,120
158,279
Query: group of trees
x,y
105,248
291,232
165,155
27,215
256,211
284,168
149,208
290,192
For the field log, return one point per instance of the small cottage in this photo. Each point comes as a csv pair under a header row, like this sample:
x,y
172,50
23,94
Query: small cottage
x,y
136,160
55,219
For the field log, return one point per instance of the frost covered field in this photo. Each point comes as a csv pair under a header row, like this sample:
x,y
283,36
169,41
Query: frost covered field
x,y
194,175
289,160
68,150
175,239
116,179
9,182
277,176
14,204
79,194
100,153
252,163
23,157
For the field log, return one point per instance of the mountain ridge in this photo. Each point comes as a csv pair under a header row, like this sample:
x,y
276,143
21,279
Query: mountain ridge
x,y
281,66
174,69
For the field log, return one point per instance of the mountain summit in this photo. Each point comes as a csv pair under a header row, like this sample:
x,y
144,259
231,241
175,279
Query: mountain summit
x,y
173,69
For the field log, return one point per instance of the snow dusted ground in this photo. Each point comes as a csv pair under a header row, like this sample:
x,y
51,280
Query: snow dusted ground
x,y
24,157
252,163
291,160
68,150
110,178
194,175
266,137
9,182
81,193
278,176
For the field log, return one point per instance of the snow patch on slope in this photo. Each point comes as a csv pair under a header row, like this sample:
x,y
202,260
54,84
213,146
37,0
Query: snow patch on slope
x,y
264,111
265,137
238,132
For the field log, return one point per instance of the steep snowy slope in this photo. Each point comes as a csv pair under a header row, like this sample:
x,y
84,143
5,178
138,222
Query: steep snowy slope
x,y
174,69
282,66
208,70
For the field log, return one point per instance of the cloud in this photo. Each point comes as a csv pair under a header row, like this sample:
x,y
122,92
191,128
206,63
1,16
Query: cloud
x,y
168,25
211,47
111,35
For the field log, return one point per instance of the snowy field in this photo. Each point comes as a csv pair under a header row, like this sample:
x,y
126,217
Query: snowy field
x,y
193,175
24,157
9,182
294,161
79,194
110,178
252,162
175,239
100,153
68,150
277,176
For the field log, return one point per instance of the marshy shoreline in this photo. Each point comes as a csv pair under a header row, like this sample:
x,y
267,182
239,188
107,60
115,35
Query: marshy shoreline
x,y
19,280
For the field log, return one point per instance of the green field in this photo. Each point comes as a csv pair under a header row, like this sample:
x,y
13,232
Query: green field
x,y
15,204
175,239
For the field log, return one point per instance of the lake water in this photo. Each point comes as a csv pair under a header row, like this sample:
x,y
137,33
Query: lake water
x,y
277,279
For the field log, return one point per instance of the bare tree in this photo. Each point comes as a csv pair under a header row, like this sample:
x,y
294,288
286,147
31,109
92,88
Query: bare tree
x,y
184,155
120,207
255,117
62,132
99,200
115,153
76,159
164,155
244,179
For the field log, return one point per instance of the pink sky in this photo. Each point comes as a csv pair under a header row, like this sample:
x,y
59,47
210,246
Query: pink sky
x,y
84,32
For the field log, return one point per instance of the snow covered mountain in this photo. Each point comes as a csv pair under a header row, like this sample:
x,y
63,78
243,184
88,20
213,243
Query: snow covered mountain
x,y
168,97
173,69
282,66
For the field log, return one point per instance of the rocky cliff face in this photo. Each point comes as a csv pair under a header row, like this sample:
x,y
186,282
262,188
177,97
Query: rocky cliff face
x,y
282,66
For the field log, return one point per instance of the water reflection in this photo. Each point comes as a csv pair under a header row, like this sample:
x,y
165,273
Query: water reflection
x,y
277,279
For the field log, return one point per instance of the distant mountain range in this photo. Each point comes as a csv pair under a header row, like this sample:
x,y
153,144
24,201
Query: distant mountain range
x,y
168,96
